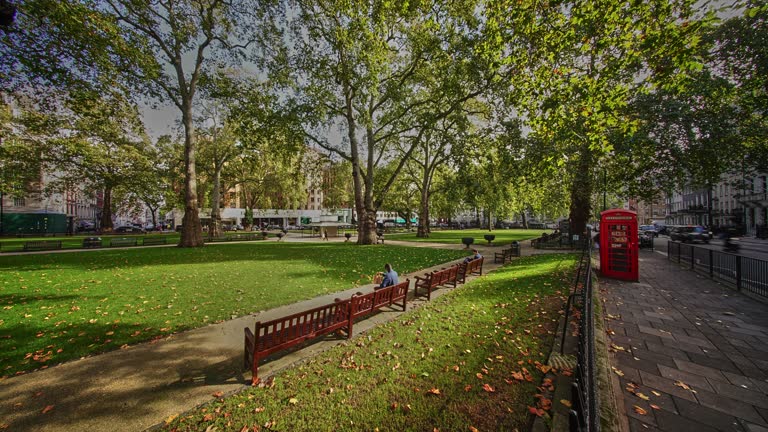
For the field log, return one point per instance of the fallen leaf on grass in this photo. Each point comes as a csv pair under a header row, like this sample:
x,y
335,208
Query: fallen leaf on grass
x,y
640,410
488,388
473,429
518,376
259,409
536,411
479,375
293,401
208,417
171,418
47,408
218,394
434,391
467,388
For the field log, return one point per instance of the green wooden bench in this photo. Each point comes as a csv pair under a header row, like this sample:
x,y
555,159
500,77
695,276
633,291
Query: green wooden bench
x,y
153,241
41,245
123,241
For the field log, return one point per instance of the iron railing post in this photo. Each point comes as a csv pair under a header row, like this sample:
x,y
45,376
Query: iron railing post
x,y
711,263
738,272
693,258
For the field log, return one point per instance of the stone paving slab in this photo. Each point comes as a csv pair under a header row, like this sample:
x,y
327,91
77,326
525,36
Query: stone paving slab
x,y
138,387
695,348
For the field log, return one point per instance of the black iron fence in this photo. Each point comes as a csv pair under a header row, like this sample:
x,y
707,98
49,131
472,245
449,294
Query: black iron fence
x,y
584,415
744,273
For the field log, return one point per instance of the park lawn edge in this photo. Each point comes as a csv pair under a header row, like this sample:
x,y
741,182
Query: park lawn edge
x,y
404,374
503,236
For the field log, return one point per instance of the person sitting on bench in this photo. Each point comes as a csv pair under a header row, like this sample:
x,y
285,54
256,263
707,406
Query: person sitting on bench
x,y
473,257
390,277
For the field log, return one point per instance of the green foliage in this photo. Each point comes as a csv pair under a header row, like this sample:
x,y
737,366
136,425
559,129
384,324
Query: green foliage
x,y
575,66
741,55
385,73
85,303
449,365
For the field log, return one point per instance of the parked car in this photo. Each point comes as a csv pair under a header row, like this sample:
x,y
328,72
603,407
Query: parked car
x,y
690,234
650,229
129,229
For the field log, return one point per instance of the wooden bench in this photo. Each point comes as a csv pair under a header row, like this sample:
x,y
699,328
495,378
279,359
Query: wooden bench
x,y
380,238
241,237
216,239
92,242
272,336
123,241
431,281
153,241
41,245
469,268
361,305
506,254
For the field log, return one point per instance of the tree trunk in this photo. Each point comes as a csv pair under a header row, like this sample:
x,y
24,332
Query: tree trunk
x,y
366,228
192,232
581,192
406,215
214,226
423,231
490,224
106,211
525,219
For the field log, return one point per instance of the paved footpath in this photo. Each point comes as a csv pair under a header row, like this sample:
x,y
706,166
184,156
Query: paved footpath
x,y
698,350
138,387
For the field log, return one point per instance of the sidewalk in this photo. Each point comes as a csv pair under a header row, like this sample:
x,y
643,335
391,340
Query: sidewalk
x,y
697,350
138,387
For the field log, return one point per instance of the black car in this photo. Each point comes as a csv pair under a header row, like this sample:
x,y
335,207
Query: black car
x,y
129,229
690,234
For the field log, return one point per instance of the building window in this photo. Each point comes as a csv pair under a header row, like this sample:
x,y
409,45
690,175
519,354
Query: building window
x,y
19,202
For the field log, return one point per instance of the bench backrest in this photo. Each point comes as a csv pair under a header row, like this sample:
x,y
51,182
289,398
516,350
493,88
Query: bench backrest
x,y
123,241
43,244
453,271
360,305
154,240
281,333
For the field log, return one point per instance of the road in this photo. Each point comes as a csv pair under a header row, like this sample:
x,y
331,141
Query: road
x,y
749,247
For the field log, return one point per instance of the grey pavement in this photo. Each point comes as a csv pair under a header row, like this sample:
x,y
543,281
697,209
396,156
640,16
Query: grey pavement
x,y
697,350
137,387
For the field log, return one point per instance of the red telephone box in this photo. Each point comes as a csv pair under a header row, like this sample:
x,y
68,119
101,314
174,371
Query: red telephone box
x,y
619,244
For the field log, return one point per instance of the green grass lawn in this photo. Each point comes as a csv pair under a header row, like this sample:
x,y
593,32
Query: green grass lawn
x,y
58,307
471,358
503,236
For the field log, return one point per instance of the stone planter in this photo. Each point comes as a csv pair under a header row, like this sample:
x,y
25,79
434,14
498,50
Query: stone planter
x,y
489,238
466,241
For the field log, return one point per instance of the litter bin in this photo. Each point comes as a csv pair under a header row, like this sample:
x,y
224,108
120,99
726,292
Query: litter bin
x,y
515,246
91,242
